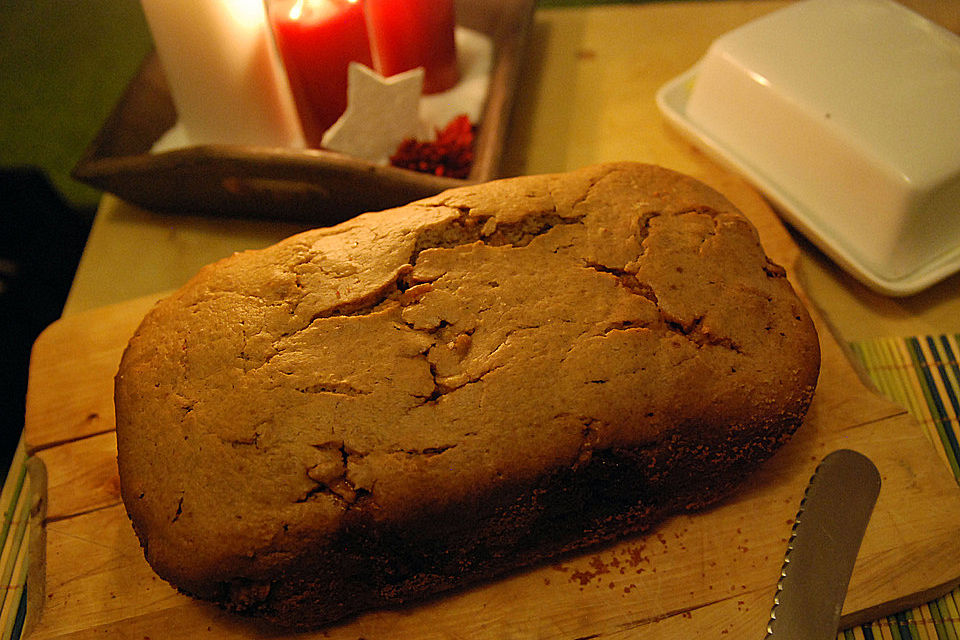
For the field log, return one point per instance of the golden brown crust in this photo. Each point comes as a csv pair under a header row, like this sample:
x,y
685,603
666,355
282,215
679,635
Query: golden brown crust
x,y
465,358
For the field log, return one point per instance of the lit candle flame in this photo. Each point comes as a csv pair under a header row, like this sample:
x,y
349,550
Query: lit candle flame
x,y
296,10
248,13
319,7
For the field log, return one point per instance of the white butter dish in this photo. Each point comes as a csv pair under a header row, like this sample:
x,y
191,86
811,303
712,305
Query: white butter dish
x,y
846,115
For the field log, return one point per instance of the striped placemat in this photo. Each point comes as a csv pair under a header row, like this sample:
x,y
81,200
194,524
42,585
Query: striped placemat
x,y
920,373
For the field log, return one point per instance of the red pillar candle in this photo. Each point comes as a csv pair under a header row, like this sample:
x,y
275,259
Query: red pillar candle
x,y
317,40
406,34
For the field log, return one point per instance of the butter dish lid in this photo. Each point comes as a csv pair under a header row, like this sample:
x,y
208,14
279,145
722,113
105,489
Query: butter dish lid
x,y
846,115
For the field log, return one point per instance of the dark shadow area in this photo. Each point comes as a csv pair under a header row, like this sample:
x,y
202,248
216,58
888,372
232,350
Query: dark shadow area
x,y
41,240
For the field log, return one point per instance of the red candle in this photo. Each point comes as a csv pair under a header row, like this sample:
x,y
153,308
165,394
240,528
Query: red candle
x,y
406,34
317,40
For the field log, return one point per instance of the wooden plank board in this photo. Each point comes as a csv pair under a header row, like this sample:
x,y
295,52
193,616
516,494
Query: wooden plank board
x,y
71,372
696,576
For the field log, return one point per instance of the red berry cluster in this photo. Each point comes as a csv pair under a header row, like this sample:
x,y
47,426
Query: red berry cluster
x,y
450,154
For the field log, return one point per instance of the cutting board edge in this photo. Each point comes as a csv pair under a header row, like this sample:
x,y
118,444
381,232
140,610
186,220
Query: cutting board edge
x,y
897,605
36,545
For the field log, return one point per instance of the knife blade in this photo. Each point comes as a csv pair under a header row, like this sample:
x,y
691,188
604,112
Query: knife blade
x,y
823,548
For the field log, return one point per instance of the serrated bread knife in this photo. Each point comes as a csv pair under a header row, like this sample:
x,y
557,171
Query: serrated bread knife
x,y
823,548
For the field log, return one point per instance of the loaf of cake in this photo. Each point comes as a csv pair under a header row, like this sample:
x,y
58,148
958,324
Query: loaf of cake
x,y
421,398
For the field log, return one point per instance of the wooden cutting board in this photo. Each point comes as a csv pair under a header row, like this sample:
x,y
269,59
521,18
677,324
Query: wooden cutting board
x,y
708,575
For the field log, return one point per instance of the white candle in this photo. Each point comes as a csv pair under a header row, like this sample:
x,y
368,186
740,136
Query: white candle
x,y
225,76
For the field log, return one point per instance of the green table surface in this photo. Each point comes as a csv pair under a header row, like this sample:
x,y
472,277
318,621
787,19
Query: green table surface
x,y
63,66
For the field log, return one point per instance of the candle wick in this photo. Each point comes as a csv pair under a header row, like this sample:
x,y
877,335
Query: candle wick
x,y
296,10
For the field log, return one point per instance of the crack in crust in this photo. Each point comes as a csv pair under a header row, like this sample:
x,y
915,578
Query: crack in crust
x,y
336,388
628,280
428,452
468,228
697,334
331,476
